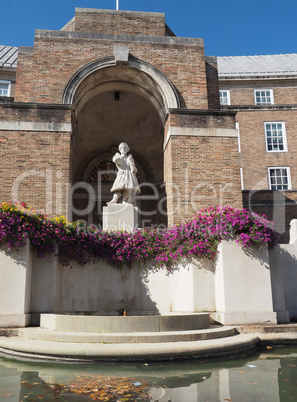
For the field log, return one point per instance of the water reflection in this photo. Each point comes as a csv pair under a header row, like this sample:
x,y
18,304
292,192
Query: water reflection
x,y
270,376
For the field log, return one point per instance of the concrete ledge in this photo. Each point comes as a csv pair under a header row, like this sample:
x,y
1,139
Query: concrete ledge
x,y
35,126
14,320
247,317
129,352
203,132
277,339
134,337
121,324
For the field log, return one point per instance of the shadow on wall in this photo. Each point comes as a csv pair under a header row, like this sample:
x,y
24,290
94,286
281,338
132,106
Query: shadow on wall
x,y
91,289
283,263
258,253
277,206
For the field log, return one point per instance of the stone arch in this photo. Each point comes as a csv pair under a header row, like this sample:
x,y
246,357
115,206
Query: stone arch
x,y
100,123
143,79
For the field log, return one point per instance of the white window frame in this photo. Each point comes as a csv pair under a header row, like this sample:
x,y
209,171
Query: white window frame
x,y
9,87
288,177
284,136
228,97
264,103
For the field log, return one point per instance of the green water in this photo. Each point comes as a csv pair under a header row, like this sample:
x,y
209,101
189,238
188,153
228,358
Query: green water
x,y
270,376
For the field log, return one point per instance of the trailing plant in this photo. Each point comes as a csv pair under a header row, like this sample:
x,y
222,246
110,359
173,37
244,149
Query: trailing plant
x,y
197,238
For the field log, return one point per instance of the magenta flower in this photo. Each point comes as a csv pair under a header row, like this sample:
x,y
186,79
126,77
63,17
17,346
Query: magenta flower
x,y
197,238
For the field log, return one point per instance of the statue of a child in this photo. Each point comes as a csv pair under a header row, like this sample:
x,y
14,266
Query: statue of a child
x,y
125,184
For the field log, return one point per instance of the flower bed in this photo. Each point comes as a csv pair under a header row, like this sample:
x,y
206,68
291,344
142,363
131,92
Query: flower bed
x,y
197,238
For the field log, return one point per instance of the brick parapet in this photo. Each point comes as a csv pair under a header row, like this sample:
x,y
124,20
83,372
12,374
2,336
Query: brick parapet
x,y
24,69
124,22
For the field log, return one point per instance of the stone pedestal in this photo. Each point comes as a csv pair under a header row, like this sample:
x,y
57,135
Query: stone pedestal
x,y
120,217
243,286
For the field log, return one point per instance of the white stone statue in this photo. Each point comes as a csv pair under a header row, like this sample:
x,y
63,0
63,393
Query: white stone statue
x,y
125,184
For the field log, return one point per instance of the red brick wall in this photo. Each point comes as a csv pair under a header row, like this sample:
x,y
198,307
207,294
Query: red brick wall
x,y
123,22
205,171
23,152
212,84
201,171
254,159
45,152
25,70
210,164
242,93
56,59
253,148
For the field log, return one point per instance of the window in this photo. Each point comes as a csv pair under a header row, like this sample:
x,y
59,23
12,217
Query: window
x,y
225,97
263,97
279,178
275,135
4,88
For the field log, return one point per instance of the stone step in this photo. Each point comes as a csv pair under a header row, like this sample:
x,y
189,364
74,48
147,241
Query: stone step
x,y
86,352
134,337
267,328
120,324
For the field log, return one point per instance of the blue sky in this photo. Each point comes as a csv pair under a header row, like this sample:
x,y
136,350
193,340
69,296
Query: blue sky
x,y
229,28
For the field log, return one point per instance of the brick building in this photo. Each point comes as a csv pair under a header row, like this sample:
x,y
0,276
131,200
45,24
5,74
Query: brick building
x,y
112,76
263,92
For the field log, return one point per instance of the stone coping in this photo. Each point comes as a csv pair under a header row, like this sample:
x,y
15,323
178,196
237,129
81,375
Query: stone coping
x,y
117,12
170,40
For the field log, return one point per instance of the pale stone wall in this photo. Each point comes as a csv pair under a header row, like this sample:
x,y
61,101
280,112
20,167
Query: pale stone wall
x,y
15,287
243,285
239,287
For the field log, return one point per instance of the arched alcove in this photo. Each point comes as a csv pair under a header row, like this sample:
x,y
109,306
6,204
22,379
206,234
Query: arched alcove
x,y
144,76
115,103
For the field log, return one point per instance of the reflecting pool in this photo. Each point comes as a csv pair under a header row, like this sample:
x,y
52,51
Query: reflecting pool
x,y
269,376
